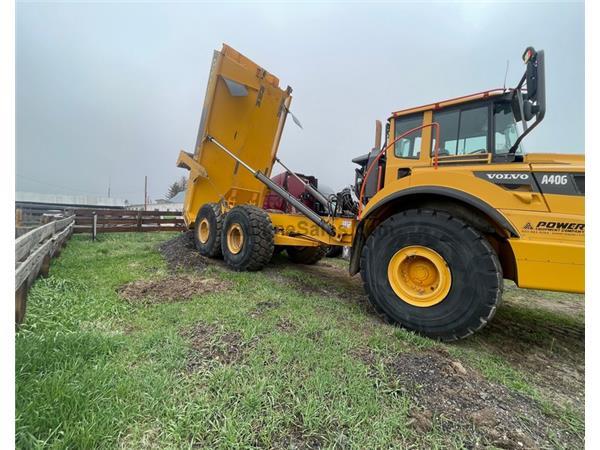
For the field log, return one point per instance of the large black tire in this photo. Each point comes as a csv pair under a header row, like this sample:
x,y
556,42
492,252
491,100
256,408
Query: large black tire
x,y
247,240
207,230
476,274
333,251
306,255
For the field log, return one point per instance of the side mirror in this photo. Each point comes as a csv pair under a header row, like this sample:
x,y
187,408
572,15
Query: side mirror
x,y
535,98
530,103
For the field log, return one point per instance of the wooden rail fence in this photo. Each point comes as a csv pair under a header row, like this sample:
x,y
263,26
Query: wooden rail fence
x,y
119,220
33,252
27,219
35,249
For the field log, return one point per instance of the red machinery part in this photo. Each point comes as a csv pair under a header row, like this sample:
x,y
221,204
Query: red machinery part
x,y
294,187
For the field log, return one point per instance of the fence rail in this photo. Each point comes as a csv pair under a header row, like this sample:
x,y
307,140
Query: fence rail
x,y
36,247
33,252
117,221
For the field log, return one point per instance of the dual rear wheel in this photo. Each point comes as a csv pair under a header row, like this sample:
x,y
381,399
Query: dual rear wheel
x,y
243,237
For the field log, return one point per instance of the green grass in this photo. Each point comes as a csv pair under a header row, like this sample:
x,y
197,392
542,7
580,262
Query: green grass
x,y
93,371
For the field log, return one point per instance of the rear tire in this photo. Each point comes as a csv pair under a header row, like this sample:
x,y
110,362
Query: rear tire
x,y
467,290
207,230
333,251
306,255
247,240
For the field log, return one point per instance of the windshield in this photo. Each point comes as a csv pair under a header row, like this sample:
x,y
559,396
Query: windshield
x,y
506,131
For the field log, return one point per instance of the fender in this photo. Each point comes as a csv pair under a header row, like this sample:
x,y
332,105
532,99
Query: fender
x,y
442,192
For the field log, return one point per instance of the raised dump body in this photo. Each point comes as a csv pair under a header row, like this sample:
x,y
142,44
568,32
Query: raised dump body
x,y
245,110
240,128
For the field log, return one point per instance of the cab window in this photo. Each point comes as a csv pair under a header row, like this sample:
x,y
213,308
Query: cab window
x,y
410,145
463,131
448,121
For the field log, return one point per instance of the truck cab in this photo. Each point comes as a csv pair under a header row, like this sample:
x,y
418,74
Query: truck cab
x,y
482,128
465,156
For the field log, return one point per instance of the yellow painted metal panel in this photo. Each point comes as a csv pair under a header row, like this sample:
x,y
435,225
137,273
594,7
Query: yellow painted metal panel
x,y
547,265
550,251
462,178
248,120
575,161
297,225
533,225
282,239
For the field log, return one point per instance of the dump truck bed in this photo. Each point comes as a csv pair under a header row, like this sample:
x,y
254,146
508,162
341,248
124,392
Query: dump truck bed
x,y
245,110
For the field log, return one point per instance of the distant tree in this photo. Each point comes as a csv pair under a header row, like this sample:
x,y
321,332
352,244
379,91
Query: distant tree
x,y
176,187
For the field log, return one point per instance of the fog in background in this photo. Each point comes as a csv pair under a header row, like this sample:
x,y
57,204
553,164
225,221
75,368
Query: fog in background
x,y
112,92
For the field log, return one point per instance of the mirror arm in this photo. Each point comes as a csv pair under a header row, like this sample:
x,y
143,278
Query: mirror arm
x,y
513,149
521,110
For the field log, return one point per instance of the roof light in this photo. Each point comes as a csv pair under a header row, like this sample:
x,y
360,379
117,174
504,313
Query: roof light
x,y
529,52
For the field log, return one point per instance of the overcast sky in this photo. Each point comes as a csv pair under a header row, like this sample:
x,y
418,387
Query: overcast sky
x,y
114,91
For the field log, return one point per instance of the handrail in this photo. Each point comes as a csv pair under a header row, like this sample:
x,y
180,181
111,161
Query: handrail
x,y
383,150
435,105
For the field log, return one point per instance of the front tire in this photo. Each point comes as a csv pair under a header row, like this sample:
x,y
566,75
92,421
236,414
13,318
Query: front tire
x,y
432,273
247,240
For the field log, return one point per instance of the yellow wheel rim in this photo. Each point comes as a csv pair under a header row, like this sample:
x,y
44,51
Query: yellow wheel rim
x,y
203,231
235,238
419,276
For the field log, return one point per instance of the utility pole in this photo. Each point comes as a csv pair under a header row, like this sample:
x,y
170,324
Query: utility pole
x,y
145,192
108,187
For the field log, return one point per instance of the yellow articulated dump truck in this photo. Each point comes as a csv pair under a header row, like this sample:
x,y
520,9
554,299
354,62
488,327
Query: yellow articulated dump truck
x,y
441,212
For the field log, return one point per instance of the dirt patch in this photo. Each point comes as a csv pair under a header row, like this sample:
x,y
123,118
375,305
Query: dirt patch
x,y
365,354
296,439
180,253
211,344
285,325
263,307
169,289
129,329
456,398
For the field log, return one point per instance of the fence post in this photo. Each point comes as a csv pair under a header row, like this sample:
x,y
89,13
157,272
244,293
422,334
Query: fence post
x,y
139,221
94,224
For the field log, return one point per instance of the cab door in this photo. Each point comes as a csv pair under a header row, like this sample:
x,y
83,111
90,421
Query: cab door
x,y
410,151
